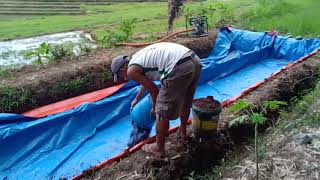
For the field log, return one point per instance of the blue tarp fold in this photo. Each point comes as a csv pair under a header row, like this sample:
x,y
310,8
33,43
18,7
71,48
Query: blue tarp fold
x,y
65,144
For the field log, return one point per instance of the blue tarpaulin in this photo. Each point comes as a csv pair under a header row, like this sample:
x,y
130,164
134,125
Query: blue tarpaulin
x,y
65,144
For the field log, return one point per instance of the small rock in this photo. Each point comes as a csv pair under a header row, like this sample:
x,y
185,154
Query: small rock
x,y
302,138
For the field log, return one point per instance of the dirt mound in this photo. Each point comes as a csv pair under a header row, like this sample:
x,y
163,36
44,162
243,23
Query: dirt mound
x,y
196,154
206,103
35,86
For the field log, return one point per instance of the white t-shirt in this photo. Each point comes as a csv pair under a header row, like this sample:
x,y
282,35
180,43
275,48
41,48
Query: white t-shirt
x,y
158,60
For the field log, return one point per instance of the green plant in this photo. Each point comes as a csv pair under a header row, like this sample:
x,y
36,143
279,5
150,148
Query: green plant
x,y
72,85
41,52
106,75
85,48
12,97
111,38
5,73
256,115
60,51
127,26
187,12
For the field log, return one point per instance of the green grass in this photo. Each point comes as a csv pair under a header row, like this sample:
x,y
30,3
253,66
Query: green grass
x,y
12,97
307,109
5,73
51,24
293,16
73,85
287,16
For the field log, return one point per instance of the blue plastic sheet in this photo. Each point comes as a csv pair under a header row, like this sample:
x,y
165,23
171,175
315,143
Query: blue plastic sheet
x,y
65,144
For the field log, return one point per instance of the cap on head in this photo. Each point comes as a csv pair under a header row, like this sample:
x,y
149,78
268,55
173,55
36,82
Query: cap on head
x,y
116,64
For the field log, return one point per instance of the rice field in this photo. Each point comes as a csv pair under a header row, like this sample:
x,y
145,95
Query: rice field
x,y
29,18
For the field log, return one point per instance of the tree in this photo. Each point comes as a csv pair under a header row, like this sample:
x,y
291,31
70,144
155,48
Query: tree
x,y
255,115
173,11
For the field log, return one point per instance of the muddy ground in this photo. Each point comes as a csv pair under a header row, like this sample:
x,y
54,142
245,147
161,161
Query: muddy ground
x,y
196,154
34,86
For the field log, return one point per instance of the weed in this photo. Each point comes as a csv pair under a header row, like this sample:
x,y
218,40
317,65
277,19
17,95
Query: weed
x,y
106,75
307,108
12,97
41,53
127,26
58,52
5,73
85,48
72,85
111,38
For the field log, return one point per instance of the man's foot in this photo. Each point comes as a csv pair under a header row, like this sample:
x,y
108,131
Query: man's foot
x,y
153,149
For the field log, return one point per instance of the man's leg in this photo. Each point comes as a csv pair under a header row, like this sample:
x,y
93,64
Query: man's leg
x,y
162,131
184,116
158,148
188,100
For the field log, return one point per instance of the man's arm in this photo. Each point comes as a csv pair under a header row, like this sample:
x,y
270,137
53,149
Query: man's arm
x,y
135,73
138,96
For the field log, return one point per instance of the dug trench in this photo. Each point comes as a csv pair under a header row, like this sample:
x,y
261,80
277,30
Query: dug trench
x,y
34,86
185,156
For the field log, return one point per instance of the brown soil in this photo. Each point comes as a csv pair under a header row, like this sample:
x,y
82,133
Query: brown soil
x,y
206,103
46,84
198,154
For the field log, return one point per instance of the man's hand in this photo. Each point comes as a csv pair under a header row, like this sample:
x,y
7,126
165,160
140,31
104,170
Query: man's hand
x,y
134,102
138,96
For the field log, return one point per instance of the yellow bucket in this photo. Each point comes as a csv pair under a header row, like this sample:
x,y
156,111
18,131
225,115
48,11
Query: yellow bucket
x,y
205,116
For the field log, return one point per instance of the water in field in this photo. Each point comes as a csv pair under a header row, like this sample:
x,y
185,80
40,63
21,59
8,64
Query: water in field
x,y
17,52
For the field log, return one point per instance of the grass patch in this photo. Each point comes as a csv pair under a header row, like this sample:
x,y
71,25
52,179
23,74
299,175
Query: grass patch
x,y
5,73
305,109
12,97
308,110
73,85
287,16
38,25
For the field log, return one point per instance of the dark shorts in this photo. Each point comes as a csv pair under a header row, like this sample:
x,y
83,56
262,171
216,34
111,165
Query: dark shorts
x,y
177,90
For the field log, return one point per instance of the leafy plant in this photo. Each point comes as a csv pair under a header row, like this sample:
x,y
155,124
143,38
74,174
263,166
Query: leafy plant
x,y
72,85
41,52
127,26
111,38
210,11
12,97
60,51
85,48
255,115
187,12
4,73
